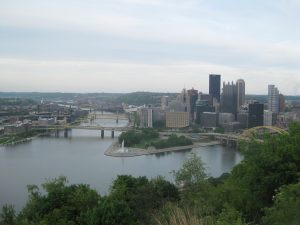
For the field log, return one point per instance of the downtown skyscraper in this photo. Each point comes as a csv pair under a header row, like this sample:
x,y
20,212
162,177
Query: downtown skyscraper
x,y
229,98
273,98
240,85
215,86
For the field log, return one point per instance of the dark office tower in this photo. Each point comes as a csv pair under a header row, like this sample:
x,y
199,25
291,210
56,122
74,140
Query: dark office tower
x,y
255,115
229,98
215,86
193,96
201,107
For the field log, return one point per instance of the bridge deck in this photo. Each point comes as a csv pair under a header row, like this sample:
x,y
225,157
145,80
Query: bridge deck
x,y
60,127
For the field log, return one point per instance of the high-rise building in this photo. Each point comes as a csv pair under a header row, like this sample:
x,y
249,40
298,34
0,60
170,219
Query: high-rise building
x,y
281,103
273,99
164,102
255,115
229,98
205,97
185,99
240,85
145,115
193,97
215,86
201,107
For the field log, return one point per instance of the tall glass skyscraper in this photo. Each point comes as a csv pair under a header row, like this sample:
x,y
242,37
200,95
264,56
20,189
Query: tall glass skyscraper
x,y
215,86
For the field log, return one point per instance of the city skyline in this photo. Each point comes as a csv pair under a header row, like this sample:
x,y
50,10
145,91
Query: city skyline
x,y
130,45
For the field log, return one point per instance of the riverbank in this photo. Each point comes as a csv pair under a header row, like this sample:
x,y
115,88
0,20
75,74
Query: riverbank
x,y
132,152
15,139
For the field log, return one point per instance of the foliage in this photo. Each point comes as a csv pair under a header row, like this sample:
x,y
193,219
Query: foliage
x,y
285,209
191,173
131,201
14,138
230,216
134,137
61,204
8,215
159,124
219,130
142,195
172,141
266,167
174,215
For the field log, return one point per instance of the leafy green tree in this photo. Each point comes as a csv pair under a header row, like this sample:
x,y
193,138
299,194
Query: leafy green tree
x,y
266,167
230,216
191,173
286,208
61,204
8,215
142,196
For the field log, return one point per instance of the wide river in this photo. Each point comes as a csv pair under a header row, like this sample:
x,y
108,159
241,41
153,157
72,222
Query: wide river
x,y
80,158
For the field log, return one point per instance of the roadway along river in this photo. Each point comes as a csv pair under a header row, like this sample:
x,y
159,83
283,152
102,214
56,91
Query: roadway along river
x,y
81,158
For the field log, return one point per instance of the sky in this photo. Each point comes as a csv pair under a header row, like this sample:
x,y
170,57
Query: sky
x,y
148,45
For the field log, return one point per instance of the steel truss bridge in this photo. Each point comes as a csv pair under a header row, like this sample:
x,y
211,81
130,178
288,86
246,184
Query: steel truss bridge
x,y
247,135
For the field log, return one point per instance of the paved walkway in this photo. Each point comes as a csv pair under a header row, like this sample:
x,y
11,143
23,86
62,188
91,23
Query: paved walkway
x,y
131,152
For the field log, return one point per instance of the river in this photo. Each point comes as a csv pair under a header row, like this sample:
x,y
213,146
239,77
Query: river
x,y
80,158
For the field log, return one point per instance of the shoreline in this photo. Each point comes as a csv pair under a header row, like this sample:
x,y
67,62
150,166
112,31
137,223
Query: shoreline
x,y
132,152
27,139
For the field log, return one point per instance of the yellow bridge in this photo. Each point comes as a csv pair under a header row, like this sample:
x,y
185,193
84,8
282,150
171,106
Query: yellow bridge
x,y
252,131
247,135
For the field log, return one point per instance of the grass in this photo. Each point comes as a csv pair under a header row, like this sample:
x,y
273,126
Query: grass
x,y
178,216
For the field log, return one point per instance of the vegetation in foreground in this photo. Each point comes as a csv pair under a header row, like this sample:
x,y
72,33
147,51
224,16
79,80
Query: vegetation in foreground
x,y
264,189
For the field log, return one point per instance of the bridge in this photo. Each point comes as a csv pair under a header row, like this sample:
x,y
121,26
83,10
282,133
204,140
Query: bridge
x,y
67,127
254,130
117,117
247,135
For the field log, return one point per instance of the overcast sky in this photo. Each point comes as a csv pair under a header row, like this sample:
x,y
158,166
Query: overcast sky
x,y
148,45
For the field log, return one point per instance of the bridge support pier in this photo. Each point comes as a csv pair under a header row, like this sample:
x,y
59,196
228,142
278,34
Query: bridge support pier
x,y
66,132
113,134
102,134
56,133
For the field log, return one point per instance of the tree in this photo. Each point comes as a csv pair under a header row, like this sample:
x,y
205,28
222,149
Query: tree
x,y
8,215
266,167
286,207
61,204
191,173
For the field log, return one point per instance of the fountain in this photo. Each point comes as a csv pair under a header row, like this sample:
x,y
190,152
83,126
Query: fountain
x,y
123,149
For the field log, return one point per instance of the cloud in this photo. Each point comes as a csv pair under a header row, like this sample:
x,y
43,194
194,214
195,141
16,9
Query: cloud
x,y
152,38
95,76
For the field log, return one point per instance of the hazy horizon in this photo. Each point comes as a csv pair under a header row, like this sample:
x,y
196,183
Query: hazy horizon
x,y
124,46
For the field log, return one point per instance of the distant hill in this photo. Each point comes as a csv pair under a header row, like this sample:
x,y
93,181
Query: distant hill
x,y
134,98
264,98
143,98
